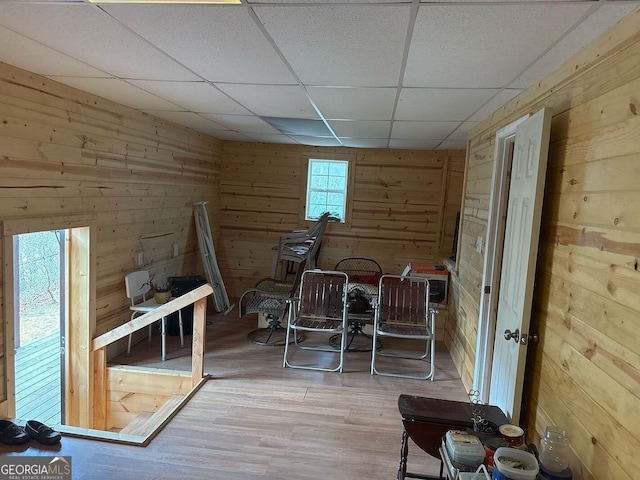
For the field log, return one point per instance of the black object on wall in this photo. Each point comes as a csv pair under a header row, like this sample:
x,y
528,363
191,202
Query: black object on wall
x,y
180,286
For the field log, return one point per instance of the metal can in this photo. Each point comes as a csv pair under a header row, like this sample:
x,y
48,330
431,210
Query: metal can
x,y
490,447
512,434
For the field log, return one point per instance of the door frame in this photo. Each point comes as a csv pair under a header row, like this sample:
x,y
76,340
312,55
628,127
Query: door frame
x,y
80,313
494,245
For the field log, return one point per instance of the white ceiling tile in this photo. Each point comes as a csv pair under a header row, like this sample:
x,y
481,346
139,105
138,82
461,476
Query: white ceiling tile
x,y
495,103
452,145
354,103
464,46
22,52
222,43
426,130
270,138
199,97
603,18
118,91
91,36
310,2
187,119
316,141
243,123
340,45
411,144
364,142
462,132
226,135
272,100
431,104
360,128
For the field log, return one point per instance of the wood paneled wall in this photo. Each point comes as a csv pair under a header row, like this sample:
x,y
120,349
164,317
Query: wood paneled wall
x,y
65,152
402,205
584,375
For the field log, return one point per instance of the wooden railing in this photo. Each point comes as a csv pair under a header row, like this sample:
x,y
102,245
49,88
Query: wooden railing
x,y
197,297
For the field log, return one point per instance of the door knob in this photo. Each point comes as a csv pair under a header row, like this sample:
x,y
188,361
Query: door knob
x,y
509,335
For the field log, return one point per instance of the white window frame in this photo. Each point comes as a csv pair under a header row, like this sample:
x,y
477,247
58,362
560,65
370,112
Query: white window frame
x,y
345,191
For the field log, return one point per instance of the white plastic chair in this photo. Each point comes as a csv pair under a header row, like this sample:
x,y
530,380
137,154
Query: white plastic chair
x,y
137,285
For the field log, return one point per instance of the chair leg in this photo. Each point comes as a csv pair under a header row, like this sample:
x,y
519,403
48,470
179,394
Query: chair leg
x,y
181,329
129,346
163,333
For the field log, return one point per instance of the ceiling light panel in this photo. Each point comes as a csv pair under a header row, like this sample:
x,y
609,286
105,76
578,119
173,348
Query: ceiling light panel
x,y
88,34
340,45
465,47
220,43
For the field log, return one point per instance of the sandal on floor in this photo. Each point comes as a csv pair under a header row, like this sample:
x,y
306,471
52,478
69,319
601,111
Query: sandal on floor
x,y
42,433
12,434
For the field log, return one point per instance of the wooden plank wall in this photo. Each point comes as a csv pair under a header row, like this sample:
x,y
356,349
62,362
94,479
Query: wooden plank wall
x,y
584,375
63,151
399,199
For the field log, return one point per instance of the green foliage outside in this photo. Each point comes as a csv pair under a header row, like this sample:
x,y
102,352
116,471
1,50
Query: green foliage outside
x,y
38,265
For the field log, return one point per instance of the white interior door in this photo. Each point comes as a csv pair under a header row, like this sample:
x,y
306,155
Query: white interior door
x,y
526,192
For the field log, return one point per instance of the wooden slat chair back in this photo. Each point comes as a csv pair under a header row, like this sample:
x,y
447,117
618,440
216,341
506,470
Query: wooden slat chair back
x,y
300,246
320,312
403,312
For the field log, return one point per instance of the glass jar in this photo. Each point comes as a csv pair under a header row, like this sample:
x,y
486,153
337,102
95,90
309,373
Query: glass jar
x,y
554,449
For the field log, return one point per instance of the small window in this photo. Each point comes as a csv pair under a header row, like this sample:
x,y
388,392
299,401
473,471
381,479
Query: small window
x,y
327,188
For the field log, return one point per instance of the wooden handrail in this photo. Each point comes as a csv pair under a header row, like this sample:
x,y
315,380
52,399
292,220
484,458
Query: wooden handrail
x,y
148,318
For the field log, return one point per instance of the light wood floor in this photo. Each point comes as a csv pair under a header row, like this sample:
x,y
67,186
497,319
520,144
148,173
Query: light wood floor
x,y
257,420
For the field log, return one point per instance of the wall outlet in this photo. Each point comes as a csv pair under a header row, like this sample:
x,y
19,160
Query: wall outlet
x,y
174,250
139,259
479,244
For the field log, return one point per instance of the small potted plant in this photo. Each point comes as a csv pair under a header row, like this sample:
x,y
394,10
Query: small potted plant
x,y
358,301
162,291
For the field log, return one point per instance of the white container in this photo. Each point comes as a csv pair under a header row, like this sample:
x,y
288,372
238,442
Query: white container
x,y
503,471
464,448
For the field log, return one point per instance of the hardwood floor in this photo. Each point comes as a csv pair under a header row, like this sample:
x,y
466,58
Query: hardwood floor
x,y
257,420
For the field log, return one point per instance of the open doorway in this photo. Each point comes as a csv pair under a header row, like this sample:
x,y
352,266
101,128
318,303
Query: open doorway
x,y
69,306
39,312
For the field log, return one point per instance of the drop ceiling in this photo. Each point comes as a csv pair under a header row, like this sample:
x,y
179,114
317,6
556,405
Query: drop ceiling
x,y
376,73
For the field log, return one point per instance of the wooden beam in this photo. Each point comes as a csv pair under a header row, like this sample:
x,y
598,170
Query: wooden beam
x,y
198,340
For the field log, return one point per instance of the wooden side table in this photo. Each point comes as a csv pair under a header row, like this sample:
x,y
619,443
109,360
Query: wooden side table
x,y
426,420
